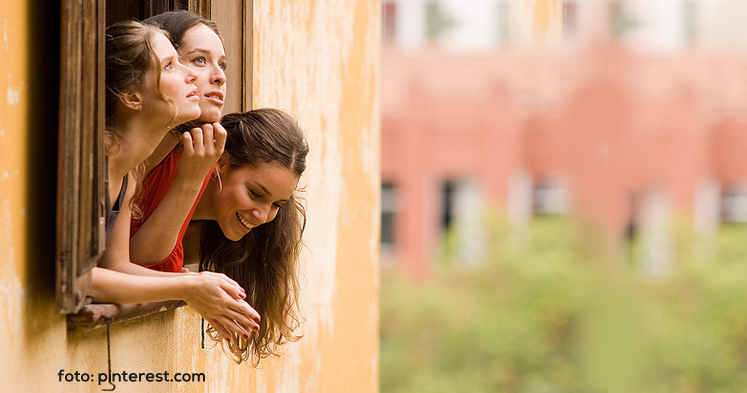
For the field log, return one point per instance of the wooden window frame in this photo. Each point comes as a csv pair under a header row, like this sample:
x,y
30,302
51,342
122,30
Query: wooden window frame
x,y
81,185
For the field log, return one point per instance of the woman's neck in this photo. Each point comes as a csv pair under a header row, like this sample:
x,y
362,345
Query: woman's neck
x,y
136,141
204,209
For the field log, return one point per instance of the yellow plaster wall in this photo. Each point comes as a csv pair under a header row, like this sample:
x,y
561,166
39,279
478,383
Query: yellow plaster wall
x,y
318,60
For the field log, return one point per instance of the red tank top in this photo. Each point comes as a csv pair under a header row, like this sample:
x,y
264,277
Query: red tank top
x,y
155,187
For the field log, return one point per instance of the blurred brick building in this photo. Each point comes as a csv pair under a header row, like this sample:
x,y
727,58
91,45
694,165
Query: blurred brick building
x,y
632,118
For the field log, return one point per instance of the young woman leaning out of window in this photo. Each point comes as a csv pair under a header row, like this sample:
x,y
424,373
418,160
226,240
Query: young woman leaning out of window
x,y
148,92
266,156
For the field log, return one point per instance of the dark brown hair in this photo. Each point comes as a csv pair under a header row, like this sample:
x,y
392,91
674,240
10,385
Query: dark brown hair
x,y
265,261
177,23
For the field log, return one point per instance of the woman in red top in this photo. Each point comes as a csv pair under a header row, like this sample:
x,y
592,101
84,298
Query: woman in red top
x,y
148,92
248,223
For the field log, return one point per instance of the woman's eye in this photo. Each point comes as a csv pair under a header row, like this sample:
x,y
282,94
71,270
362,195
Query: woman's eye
x,y
169,66
277,205
255,194
199,60
223,66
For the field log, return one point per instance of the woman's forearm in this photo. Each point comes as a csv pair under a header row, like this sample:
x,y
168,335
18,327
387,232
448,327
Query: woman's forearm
x,y
110,286
156,238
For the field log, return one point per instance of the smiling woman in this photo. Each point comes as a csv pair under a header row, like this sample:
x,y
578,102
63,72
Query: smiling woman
x,y
248,223
148,92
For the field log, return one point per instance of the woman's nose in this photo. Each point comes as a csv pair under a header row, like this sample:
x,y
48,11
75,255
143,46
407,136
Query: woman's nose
x,y
261,213
189,75
219,76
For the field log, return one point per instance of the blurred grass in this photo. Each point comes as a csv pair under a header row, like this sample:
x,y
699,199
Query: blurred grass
x,y
543,314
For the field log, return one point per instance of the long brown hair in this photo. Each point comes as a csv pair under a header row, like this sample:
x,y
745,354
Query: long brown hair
x,y
265,261
129,57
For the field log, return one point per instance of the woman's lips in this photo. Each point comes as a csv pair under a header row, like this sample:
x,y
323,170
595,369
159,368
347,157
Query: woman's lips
x,y
193,95
215,97
244,222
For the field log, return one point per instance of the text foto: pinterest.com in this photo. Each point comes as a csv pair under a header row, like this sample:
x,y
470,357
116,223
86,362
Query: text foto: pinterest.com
x,y
125,376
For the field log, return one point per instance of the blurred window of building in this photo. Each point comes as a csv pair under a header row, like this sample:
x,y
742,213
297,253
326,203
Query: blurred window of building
x,y
389,20
734,205
620,21
502,22
689,22
389,209
570,18
436,22
448,192
550,196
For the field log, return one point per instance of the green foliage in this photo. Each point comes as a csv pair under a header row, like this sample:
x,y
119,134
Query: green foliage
x,y
542,315
511,324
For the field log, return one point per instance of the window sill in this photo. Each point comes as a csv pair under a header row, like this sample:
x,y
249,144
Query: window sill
x,y
94,316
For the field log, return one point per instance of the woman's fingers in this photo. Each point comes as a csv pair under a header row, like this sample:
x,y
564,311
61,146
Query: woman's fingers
x,y
219,328
219,134
250,320
235,327
231,287
187,143
199,141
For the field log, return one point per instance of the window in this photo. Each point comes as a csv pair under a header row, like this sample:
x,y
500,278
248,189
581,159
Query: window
x,y
389,20
550,197
389,209
689,25
81,188
570,18
734,205
448,190
502,21
619,20
435,21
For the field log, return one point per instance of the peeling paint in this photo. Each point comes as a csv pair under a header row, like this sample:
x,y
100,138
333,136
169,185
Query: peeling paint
x,y
5,37
7,257
13,97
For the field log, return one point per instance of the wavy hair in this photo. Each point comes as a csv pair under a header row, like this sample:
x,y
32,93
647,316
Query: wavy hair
x,y
129,57
265,261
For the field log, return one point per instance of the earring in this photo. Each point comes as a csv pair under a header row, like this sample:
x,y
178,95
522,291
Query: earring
x,y
217,176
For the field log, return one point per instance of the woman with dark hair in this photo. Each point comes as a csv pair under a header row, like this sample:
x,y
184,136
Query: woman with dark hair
x,y
250,222
247,222
149,92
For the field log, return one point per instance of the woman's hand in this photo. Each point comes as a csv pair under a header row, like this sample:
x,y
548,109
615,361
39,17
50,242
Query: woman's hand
x,y
203,147
219,300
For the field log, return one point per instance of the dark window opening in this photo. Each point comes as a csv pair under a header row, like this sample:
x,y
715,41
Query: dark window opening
x,y
448,193
388,214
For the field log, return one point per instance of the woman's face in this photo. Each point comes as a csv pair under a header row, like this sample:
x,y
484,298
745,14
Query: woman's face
x,y
204,54
251,196
176,84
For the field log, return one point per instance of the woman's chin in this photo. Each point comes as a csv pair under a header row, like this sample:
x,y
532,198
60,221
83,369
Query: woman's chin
x,y
210,116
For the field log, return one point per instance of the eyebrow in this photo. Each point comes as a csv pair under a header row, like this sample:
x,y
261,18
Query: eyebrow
x,y
267,192
169,58
200,50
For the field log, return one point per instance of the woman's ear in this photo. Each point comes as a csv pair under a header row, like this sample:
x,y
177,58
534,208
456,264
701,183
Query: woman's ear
x,y
131,99
223,161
